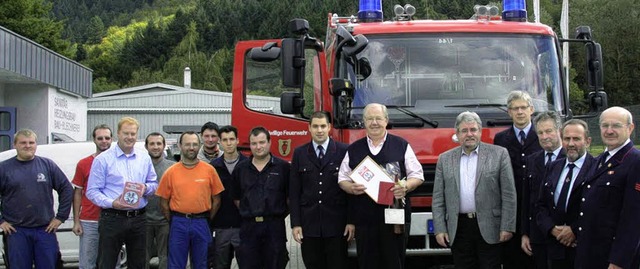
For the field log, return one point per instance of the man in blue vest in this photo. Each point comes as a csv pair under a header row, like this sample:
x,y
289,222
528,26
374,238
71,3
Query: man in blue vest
x,y
379,245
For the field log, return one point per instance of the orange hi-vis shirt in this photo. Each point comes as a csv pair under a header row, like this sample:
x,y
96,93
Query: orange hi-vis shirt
x,y
189,190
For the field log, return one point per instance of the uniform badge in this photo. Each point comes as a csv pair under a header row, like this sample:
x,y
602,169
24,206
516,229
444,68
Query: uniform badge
x,y
611,172
637,186
284,146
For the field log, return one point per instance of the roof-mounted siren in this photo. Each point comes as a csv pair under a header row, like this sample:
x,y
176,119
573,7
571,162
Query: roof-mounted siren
x,y
370,11
404,13
486,13
514,10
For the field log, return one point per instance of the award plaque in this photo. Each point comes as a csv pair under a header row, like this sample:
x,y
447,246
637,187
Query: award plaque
x,y
131,194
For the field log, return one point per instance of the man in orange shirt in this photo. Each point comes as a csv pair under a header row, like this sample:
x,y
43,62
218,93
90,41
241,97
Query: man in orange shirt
x,y
190,192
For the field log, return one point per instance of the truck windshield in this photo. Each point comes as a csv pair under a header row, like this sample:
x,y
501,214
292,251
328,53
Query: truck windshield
x,y
441,75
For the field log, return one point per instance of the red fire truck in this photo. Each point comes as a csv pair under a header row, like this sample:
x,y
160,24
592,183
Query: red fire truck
x,y
425,71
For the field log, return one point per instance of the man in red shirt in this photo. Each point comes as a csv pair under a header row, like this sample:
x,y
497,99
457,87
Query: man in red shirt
x,y
85,213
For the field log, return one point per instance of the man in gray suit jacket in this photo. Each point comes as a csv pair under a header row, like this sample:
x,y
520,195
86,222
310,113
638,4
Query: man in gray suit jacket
x,y
474,199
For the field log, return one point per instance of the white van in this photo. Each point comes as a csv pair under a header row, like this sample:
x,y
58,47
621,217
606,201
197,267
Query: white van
x,y
66,156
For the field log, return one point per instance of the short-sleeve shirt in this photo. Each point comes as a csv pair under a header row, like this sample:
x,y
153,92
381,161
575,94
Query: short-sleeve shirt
x,y
189,190
88,211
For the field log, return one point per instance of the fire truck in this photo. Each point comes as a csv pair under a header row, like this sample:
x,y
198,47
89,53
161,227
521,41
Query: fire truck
x,y
425,71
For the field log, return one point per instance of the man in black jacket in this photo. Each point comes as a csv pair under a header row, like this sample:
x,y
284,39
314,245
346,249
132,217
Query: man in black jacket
x,y
318,205
521,141
533,241
226,223
560,196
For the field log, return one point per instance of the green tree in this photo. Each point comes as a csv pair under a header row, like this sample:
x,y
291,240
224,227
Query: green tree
x,y
95,30
32,19
620,45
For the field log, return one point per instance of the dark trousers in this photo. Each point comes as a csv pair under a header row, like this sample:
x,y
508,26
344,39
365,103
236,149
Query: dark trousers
x,y
379,247
469,248
323,253
32,246
540,256
263,244
513,257
567,262
116,230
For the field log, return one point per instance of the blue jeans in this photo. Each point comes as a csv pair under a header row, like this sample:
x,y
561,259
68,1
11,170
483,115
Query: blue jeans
x,y
88,245
188,236
29,246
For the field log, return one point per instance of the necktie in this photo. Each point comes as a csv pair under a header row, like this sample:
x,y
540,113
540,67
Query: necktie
x,y
603,159
522,137
564,193
320,152
549,155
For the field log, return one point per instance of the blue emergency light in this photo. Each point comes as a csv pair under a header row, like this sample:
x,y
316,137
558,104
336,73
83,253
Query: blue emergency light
x,y
514,10
370,11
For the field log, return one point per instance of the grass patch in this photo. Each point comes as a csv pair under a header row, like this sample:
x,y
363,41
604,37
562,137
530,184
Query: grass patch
x,y
596,150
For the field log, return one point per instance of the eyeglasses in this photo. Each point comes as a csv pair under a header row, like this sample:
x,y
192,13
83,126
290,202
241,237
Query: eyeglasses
x,y
102,138
614,126
372,119
518,108
472,130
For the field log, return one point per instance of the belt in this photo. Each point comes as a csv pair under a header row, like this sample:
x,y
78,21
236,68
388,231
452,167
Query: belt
x,y
263,218
471,215
201,215
125,213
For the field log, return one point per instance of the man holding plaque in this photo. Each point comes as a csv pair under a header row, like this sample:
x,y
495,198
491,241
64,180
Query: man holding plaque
x,y
120,179
380,243
474,198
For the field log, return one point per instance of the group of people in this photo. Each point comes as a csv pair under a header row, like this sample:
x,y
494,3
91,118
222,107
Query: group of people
x,y
535,199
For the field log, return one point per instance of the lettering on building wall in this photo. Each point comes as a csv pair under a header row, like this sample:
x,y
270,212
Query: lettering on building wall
x,y
64,118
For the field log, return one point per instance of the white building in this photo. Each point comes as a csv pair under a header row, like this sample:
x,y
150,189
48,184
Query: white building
x,y
41,90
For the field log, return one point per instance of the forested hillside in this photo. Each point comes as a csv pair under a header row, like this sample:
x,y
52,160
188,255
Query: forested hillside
x,y
134,42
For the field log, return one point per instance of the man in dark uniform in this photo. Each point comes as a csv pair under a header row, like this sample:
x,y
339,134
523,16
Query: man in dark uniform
x,y
226,223
521,141
260,189
380,245
318,205
559,203
548,130
609,230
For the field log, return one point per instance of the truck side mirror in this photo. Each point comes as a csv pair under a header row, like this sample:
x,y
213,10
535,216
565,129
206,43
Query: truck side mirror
x,y
594,66
340,86
293,62
359,45
267,53
291,103
597,101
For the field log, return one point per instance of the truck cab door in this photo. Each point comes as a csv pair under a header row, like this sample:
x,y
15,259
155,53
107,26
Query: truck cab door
x,y
258,92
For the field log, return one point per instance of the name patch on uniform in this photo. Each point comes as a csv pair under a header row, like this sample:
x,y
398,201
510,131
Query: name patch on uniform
x,y
611,172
